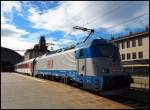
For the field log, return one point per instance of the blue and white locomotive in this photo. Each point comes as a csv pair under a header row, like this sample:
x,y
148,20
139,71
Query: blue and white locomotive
x,y
93,65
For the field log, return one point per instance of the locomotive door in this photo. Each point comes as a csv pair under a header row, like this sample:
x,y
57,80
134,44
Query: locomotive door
x,y
82,66
34,67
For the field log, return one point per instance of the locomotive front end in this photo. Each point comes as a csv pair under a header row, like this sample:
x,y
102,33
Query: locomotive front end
x,y
100,68
109,69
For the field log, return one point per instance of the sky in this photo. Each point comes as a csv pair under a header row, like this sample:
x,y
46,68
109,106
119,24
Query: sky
x,y
23,22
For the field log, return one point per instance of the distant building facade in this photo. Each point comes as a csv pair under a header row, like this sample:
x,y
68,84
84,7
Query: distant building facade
x,y
38,50
134,51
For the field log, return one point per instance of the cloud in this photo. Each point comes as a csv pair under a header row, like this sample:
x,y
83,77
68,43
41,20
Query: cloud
x,y
8,30
95,14
11,37
54,45
16,44
7,6
54,19
99,13
60,43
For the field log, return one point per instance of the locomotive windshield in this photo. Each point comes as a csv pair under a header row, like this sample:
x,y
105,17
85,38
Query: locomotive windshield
x,y
108,50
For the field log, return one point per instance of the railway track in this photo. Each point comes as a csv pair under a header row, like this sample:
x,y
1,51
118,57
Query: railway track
x,y
134,97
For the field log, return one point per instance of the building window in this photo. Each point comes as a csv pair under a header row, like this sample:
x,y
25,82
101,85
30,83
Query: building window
x,y
128,56
122,45
128,44
134,55
123,56
133,43
118,45
140,42
140,55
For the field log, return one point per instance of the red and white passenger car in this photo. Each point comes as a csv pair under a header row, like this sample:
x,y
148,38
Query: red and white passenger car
x,y
25,67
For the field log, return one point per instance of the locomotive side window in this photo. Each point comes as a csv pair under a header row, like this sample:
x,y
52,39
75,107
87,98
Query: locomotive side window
x,y
81,53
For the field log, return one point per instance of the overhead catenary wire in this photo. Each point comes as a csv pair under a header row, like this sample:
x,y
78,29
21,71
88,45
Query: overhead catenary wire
x,y
108,13
115,11
141,22
138,22
126,21
79,12
120,6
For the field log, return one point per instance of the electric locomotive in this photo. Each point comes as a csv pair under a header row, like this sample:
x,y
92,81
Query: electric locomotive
x,y
93,65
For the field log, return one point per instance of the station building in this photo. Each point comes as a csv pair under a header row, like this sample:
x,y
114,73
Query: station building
x,y
37,50
134,51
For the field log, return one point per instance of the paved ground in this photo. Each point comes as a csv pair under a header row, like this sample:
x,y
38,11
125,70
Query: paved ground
x,y
25,92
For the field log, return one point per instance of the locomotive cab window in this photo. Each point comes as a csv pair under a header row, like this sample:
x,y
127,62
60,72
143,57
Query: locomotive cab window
x,y
109,50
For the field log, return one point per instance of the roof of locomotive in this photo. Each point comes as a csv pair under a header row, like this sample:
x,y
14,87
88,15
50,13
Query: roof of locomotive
x,y
70,49
78,46
55,54
26,61
92,42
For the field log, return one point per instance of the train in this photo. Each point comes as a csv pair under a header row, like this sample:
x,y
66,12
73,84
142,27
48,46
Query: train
x,y
94,65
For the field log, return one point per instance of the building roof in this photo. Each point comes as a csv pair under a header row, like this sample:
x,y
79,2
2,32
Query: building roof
x,y
8,55
131,35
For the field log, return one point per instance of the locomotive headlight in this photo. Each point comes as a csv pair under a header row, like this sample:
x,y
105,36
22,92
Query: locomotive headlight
x,y
105,70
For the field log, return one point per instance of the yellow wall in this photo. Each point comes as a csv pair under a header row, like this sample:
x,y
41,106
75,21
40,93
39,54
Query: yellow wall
x,y
144,48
